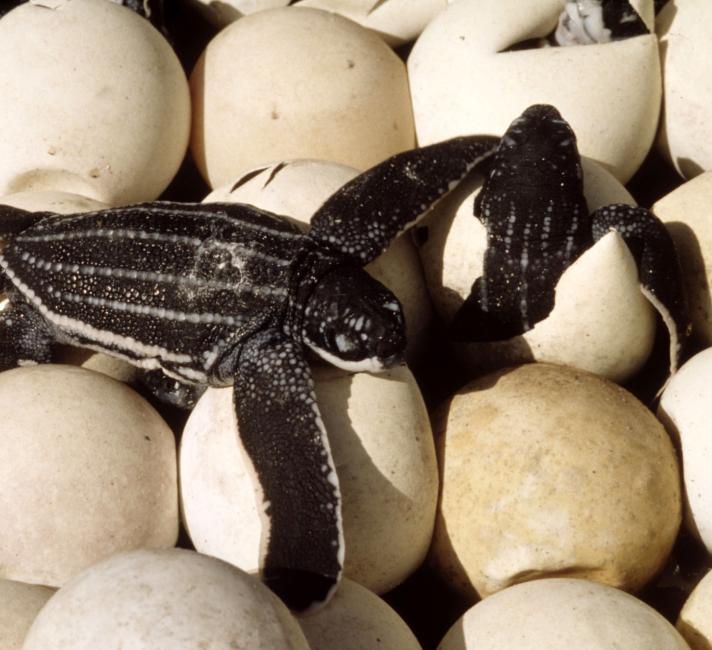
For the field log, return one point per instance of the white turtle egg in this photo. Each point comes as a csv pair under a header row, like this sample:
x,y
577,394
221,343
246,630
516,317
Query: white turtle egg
x,y
547,471
171,599
463,82
297,188
561,614
685,52
601,322
381,441
95,103
297,83
694,621
396,21
685,212
65,203
356,619
685,411
89,469
19,604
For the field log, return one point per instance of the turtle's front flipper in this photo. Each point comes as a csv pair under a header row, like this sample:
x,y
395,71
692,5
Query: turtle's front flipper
x,y
25,337
284,437
658,265
365,215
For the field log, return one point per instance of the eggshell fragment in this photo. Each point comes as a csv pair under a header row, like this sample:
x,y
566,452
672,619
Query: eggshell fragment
x,y
601,322
164,600
694,621
685,411
547,471
560,614
19,604
395,21
380,438
463,82
685,51
106,118
356,619
89,469
297,188
223,12
686,214
297,83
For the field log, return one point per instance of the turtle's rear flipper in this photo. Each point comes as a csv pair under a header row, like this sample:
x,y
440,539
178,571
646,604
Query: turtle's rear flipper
x,y
25,338
658,267
365,215
14,220
295,480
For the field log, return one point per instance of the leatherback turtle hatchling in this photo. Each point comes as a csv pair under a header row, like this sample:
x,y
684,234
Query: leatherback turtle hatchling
x,y
533,207
220,294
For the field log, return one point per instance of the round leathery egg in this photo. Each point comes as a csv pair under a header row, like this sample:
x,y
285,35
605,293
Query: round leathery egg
x,y
106,118
356,618
89,470
684,409
547,470
171,599
396,21
463,81
297,83
19,604
297,188
601,322
685,212
685,51
559,614
381,441
694,621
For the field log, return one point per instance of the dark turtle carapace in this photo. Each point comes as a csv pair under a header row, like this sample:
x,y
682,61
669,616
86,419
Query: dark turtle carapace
x,y
226,294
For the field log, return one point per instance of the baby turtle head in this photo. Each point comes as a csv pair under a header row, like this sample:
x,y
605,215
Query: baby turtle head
x,y
354,322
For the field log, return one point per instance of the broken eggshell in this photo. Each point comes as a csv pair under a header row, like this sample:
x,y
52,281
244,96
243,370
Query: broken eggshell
x,y
171,599
222,12
381,441
685,136
89,469
561,614
694,621
106,118
395,21
463,82
19,605
357,619
686,215
297,83
545,471
297,188
685,410
601,322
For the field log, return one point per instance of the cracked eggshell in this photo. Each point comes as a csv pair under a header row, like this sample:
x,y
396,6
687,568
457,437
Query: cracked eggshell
x,y
223,12
395,21
601,322
591,485
685,135
560,614
297,188
65,203
381,441
686,214
106,118
171,599
685,411
694,622
463,83
357,619
89,469
297,83
19,605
